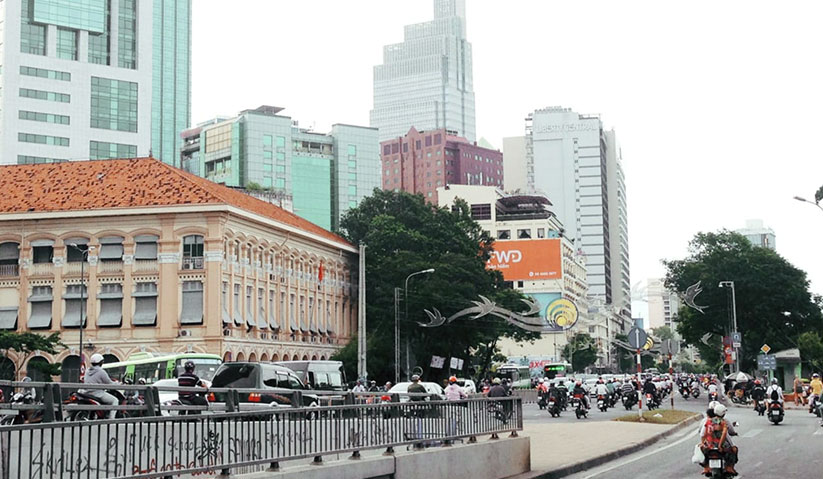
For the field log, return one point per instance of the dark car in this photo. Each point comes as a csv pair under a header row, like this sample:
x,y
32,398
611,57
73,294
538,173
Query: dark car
x,y
318,375
279,382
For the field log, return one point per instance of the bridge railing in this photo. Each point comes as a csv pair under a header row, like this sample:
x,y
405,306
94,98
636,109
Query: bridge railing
x,y
154,445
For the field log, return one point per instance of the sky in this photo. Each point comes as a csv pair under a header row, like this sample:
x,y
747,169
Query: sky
x,y
716,105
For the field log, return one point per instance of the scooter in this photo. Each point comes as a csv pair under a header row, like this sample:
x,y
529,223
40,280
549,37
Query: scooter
x,y
579,408
712,396
651,402
87,415
629,400
760,407
695,391
775,412
717,463
553,407
814,402
23,416
685,393
601,403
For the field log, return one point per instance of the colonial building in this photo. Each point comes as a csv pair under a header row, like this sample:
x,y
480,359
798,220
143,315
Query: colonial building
x,y
165,261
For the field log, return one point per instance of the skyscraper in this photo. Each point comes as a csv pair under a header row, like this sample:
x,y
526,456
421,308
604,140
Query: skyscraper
x,y
93,79
426,81
577,163
758,235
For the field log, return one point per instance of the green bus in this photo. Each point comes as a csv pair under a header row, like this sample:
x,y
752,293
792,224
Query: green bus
x,y
154,366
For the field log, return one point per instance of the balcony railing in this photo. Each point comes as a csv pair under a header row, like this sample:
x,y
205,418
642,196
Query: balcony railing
x,y
41,269
194,262
145,266
74,267
9,270
110,267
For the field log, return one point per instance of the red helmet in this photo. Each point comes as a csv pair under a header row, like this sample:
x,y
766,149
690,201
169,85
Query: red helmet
x,y
452,379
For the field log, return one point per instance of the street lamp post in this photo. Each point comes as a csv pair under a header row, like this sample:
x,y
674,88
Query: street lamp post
x,y
730,285
804,200
397,323
83,304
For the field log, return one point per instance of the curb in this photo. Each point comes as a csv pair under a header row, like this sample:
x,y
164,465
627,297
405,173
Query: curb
x,y
608,457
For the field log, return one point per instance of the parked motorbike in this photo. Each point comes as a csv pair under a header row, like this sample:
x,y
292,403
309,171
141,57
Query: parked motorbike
x,y
579,408
23,416
775,412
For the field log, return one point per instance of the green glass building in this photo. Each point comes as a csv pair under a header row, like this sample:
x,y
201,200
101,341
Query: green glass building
x,y
107,78
317,176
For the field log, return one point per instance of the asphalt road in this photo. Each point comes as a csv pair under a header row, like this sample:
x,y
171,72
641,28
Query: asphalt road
x,y
792,449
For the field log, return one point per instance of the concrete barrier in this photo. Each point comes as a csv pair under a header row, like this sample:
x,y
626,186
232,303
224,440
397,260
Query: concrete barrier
x,y
488,459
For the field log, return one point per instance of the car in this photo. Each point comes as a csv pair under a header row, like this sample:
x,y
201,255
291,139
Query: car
x,y
279,382
433,389
468,386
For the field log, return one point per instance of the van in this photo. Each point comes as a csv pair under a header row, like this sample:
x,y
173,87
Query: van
x,y
318,375
280,382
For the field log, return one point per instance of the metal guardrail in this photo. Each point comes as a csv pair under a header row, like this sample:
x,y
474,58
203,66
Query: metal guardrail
x,y
165,446
529,396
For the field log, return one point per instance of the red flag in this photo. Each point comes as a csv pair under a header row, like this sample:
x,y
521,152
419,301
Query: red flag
x,y
320,273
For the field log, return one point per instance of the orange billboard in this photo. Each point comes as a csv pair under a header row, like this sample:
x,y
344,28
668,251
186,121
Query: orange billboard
x,y
527,260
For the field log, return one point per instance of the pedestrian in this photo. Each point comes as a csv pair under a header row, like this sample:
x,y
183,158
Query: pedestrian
x,y
797,388
358,387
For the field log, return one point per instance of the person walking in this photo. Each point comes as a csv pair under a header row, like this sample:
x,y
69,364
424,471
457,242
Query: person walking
x,y
797,388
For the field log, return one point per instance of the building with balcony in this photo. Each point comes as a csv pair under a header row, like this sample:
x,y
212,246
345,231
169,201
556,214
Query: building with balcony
x,y
321,175
155,259
423,161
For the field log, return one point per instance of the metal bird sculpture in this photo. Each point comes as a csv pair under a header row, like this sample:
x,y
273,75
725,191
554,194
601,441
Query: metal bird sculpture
x,y
691,294
705,338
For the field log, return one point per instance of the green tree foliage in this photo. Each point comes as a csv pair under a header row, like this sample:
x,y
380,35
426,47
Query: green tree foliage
x,y
24,344
404,234
811,349
252,186
818,195
774,305
663,333
581,352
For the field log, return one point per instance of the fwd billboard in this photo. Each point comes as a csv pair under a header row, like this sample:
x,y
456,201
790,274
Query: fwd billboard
x,y
527,260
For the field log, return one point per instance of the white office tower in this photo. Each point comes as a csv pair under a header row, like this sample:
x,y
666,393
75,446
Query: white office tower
x,y
426,81
575,162
93,79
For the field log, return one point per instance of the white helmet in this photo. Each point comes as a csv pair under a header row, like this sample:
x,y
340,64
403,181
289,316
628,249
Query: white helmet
x,y
713,404
96,358
720,410
541,380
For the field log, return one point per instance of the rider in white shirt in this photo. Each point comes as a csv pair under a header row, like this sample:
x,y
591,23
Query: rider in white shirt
x,y
712,388
772,388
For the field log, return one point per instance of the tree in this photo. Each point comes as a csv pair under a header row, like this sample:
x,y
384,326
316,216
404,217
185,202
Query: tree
x,y
405,234
811,349
663,333
774,305
581,351
24,344
252,186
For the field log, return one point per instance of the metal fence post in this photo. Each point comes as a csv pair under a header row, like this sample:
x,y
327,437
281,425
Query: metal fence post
x,y
57,401
152,399
231,404
48,403
297,399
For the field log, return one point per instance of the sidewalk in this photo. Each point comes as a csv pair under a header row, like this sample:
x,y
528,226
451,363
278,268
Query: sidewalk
x,y
559,450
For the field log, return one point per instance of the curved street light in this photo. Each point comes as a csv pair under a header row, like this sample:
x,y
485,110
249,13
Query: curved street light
x,y
397,323
804,200
83,295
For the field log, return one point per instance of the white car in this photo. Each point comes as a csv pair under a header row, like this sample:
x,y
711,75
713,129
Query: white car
x,y
468,386
403,388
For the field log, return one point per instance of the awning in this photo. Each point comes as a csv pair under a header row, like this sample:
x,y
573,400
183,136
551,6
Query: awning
x,y
111,251
192,310
9,251
111,312
261,315
111,240
145,311
71,316
42,242
250,319
273,320
77,241
40,315
226,317
8,318
146,250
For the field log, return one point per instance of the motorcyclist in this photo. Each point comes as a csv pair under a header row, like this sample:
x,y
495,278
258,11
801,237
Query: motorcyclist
x,y
650,388
579,391
187,379
716,434
563,392
611,387
815,391
627,389
758,393
453,391
497,390
775,392
600,390
373,388
97,375
358,387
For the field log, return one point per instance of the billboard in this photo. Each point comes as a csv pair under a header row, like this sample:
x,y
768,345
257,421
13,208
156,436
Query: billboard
x,y
527,260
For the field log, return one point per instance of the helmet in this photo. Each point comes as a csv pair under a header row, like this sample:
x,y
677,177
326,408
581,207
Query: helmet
x,y
373,382
774,380
757,382
189,366
578,383
26,379
141,381
452,379
96,358
541,380
496,381
712,404
720,410
416,378
815,375
128,380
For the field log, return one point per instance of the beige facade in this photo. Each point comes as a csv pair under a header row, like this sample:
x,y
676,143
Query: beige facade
x,y
218,278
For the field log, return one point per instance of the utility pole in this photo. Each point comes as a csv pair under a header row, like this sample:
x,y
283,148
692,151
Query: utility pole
x,y
396,335
361,317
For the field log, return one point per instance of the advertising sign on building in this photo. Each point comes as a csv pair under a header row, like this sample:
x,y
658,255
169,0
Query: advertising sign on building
x,y
527,260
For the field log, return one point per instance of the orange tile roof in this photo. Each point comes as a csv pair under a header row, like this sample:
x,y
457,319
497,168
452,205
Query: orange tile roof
x,y
126,183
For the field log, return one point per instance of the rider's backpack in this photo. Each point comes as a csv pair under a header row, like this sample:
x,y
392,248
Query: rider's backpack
x,y
775,396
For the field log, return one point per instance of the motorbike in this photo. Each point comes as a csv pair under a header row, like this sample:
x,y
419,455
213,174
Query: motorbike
x,y
814,403
23,416
716,461
579,408
651,401
86,400
564,398
541,402
740,397
695,391
685,393
629,400
712,396
602,404
553,406
760,407
775,412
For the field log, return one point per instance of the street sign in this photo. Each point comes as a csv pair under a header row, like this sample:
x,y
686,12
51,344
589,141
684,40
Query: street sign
x,y
765,348
669,346
438,362
767,362
736,339
637,337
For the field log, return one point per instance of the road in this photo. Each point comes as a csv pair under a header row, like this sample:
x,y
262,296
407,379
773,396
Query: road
x,y
792,449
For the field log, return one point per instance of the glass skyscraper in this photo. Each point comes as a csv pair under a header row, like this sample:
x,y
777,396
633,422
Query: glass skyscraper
x,y
317,176
93,79
426,81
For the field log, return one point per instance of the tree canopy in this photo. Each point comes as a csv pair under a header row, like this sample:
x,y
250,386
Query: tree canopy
x,y
581,351
404,235
774,305
24,344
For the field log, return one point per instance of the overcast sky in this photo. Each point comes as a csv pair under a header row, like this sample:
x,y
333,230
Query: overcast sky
x,y
716,104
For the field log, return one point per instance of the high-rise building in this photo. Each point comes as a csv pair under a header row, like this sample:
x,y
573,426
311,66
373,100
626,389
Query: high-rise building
x,y
422,161
322,175
93,79
758,235
577,163
663,304
426,81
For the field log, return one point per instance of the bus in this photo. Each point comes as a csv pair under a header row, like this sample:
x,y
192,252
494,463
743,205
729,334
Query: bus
x,y
154,366
519,376
553,370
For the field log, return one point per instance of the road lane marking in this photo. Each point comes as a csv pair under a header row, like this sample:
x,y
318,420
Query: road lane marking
x,y
676,443
752,433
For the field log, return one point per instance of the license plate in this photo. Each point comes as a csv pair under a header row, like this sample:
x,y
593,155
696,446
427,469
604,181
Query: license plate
x,y
715,463
551,403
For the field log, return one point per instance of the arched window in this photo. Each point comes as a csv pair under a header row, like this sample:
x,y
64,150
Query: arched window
x,y
193,252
